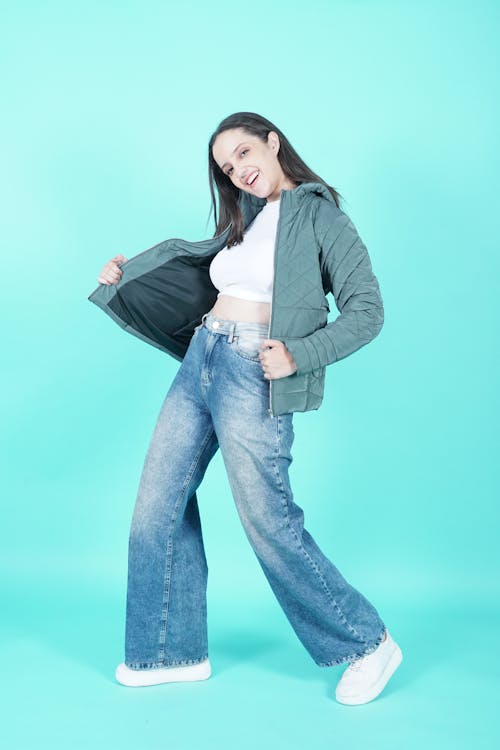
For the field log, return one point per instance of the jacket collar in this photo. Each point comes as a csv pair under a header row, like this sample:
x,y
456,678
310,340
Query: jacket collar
x,y
294,196
250,206
291,199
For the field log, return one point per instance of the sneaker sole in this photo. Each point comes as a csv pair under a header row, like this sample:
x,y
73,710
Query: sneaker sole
x,y
146,677
392,665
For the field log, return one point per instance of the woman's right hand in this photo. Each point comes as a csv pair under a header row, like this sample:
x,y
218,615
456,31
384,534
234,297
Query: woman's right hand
x,y
111,272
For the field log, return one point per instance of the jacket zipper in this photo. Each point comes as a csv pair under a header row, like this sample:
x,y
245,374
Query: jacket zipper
x,y
270,410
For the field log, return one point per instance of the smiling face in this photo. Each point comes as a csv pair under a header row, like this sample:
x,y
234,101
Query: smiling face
x,y
251,164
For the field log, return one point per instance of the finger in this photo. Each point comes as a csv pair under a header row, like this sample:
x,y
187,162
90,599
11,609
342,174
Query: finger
x,y
111,277
271,342
113,272
112,266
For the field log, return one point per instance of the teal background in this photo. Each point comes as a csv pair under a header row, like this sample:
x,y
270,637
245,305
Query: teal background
x,y
107,109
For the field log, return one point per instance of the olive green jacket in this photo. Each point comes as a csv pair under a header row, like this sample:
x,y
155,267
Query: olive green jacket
x,y
164,291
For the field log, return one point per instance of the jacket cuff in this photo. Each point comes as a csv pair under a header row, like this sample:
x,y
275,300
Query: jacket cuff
x,y
298,350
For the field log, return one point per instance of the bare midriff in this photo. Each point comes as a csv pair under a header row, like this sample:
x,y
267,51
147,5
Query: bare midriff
x,y
235,308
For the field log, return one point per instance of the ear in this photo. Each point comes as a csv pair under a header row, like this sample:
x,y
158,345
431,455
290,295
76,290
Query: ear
x,y
274,141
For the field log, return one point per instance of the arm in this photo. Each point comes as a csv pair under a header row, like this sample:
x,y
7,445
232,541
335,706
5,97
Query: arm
x,y
347,273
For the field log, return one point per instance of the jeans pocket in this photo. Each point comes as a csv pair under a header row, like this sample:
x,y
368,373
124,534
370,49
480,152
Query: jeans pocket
x,y
247,346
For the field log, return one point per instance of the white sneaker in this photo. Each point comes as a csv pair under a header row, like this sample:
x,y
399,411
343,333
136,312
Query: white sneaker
x,y
365,678
144,677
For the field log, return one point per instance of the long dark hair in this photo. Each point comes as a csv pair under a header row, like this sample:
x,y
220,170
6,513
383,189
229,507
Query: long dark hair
x,y
291,163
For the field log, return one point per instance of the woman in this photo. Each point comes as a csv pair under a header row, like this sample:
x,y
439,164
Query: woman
x,y
246,314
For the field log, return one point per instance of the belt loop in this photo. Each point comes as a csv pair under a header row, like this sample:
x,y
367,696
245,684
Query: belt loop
x,y
231,333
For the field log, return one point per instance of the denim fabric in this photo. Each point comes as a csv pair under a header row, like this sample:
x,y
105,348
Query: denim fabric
x,y
219,398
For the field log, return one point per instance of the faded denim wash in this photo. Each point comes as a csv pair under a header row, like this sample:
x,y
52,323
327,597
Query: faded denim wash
x,y
220,398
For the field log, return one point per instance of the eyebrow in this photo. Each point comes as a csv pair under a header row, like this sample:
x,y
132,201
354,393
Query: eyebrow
x,y
234,149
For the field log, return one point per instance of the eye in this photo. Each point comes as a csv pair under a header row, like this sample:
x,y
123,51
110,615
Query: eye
x,y
241,154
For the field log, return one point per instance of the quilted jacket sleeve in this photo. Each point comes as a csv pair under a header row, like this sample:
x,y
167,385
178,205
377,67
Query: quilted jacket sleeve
x,y
347,273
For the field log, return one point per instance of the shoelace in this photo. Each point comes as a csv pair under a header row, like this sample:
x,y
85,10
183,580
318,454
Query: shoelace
x,y
356,666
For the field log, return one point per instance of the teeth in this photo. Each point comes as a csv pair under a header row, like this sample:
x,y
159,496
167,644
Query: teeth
x,y
253,178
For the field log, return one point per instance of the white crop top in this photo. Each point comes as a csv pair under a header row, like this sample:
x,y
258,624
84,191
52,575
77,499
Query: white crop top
x,y
247,270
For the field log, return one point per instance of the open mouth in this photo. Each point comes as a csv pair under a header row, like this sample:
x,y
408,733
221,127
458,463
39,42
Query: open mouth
x,y
254,179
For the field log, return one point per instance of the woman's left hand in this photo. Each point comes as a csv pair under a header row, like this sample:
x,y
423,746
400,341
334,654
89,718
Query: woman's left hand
x,y
277,362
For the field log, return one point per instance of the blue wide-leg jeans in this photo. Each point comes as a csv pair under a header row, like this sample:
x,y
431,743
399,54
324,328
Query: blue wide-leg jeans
x,y
220,398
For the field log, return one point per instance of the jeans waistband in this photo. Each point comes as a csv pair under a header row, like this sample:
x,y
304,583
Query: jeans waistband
x,y
234,327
